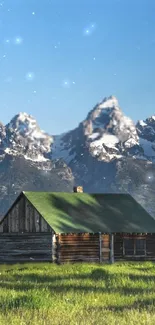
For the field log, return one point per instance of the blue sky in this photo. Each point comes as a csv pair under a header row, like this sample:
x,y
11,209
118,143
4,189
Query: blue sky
x,y
58,58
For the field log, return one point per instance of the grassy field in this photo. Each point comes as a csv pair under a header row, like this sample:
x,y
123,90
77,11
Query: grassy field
x,y
82,294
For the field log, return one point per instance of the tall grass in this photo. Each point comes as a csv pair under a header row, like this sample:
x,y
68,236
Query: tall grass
x,y
84,294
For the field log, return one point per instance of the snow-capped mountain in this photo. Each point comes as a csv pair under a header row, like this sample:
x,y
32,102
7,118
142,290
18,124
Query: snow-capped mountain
x,y
106,152
146,133
146,129
25,163
108,135
23,136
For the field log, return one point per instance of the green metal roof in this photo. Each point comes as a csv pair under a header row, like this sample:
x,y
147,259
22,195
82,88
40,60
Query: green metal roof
x,y
82,212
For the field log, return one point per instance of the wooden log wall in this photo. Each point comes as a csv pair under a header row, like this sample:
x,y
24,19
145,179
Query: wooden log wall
x,y
82,248
26,247
118,246
150,247
105,247
23,217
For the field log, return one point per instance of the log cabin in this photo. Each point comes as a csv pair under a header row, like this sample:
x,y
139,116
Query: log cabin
x,y
71,227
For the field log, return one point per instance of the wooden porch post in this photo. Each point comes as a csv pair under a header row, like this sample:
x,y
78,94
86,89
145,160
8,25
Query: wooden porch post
x,y
58,248
111,248
100,247
53,247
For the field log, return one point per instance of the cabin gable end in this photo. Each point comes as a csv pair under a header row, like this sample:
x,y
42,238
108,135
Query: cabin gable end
x,y
24,217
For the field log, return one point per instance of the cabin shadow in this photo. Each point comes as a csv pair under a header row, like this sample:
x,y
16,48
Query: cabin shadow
x,y
24,282
139,305
16,302
144,269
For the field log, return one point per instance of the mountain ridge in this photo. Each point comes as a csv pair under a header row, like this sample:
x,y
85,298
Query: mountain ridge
x,y
106,152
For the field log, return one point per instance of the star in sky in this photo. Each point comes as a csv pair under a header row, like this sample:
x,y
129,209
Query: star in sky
x,y
89,30
57,45
3,57
71,50
67,83
30,76
18,40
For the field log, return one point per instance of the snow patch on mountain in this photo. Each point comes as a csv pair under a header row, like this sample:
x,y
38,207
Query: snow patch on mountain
x,y
131,142
11,151
94,136
147,147
109,102
108,139
60,150
38,158
142,123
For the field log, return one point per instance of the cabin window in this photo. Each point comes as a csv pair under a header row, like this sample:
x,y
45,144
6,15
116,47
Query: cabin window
x,y
140,246
134,246
128,246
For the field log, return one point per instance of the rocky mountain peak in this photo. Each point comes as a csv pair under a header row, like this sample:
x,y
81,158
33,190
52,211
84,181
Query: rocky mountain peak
x,y
146,128
106,106
108,130
106,134
106,152
24,136
2,132
23,124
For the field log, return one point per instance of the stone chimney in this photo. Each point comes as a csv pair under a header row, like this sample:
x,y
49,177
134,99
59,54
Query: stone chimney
x,y
78,189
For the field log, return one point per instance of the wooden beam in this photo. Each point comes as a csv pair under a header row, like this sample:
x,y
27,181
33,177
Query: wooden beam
x,y
111,248
100,247
53,247
58,241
